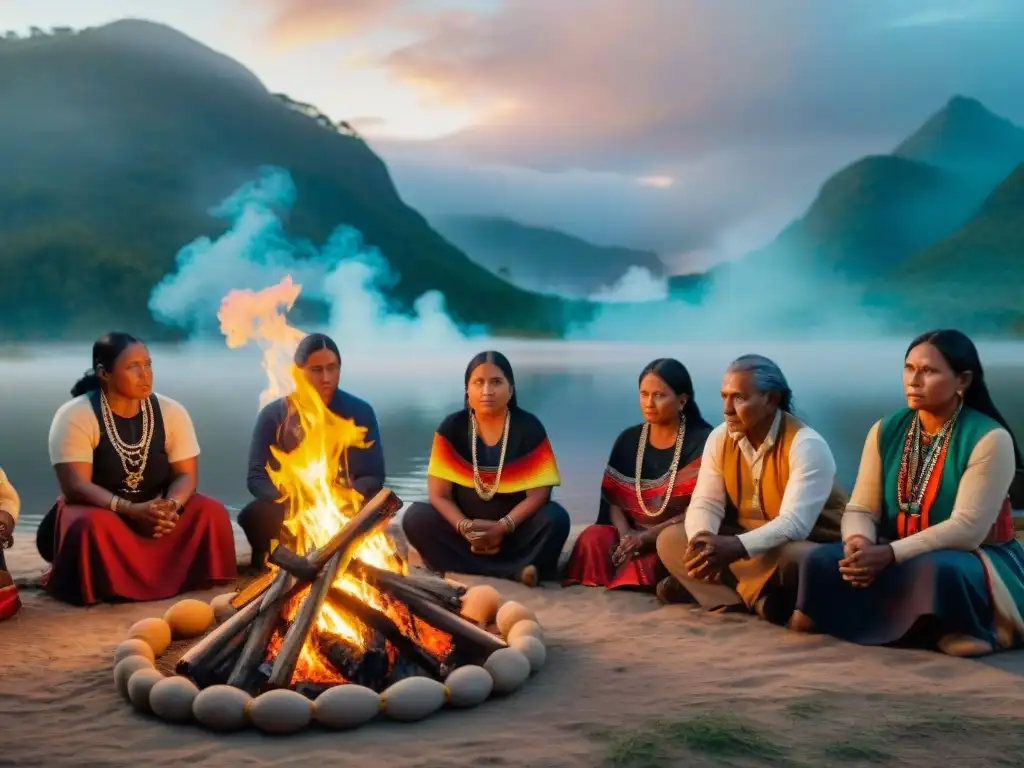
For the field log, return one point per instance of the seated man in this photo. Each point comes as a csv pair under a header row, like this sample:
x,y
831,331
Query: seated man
x,y
10,505
766,485
277,425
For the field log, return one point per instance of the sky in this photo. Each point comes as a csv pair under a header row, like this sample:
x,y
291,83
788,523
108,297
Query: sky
x,y
696,128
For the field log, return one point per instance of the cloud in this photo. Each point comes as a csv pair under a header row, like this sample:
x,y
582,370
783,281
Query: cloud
x,y
605,85
720,205
296,22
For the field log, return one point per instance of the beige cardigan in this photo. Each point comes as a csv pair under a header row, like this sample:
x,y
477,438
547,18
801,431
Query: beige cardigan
x,y
983,488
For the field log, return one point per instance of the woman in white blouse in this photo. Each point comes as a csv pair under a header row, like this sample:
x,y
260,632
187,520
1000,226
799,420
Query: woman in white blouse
x,y
929,554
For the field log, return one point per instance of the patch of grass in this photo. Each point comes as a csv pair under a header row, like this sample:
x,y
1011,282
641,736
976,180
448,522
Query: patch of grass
x,y
807,709
854,751
716,736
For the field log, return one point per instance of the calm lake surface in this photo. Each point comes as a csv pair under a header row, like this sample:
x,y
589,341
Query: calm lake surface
x,y
585,393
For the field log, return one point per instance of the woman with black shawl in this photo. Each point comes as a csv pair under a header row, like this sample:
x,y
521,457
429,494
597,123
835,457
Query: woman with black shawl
x,y
489,481
646,486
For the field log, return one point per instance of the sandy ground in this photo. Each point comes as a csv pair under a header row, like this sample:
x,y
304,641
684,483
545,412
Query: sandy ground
x,y
627,682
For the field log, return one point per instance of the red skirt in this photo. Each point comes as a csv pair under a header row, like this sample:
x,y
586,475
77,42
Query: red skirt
x,y
591,562
9,602
99,557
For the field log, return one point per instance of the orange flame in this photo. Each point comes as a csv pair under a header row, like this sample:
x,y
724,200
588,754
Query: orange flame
x,y
317,500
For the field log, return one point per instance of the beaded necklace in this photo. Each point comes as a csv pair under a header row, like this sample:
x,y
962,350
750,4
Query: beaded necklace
x,y
680,437
917,465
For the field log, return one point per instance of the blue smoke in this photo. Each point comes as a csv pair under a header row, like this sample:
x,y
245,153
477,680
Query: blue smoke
x,y
255,252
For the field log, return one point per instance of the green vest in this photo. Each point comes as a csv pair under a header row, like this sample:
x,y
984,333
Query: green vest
x,y
971,426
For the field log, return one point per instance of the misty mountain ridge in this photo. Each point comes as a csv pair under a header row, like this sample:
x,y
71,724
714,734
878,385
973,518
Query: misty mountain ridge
x,y
116,142
965,137
888,230
543,259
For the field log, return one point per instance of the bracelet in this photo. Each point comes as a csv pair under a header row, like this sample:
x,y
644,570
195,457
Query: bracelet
x,y
464,526
509,523
115,502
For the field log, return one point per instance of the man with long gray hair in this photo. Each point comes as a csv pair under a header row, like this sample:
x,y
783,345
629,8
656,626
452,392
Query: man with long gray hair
x,y
765,491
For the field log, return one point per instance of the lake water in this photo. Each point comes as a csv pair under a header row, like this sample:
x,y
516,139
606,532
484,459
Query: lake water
x,y
585,393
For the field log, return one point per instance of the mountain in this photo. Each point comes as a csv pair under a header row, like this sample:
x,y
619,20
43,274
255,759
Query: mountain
x,y
967,138
116,141
882,209
542,259
976,275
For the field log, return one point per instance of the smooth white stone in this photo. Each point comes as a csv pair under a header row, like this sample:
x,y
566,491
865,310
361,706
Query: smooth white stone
x,y
221,708
127,667
414,698
140,684
281,711
172,698
508,668
469,686
347,706
133,647
533,649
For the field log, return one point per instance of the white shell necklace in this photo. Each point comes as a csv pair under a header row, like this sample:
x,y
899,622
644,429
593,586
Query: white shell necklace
x,y
131,454
680,436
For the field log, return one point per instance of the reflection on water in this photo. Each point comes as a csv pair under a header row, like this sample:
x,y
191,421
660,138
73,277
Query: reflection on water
x,y
584,393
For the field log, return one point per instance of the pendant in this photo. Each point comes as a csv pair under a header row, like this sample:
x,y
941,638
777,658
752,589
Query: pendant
x,y
132,480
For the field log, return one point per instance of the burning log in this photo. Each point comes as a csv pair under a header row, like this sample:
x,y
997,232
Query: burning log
x,y
324,564
288,656
260,632
252,589
383,625
465,633
373,515
367,665
435,590
197,659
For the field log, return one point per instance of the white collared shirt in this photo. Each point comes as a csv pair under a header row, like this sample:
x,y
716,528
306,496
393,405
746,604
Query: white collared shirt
x,y
812,471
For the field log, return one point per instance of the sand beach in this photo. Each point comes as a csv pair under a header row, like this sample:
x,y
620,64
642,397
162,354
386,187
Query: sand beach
x,y
628,682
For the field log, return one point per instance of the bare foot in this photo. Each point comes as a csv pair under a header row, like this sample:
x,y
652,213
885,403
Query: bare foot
x,y
801,622
964,646
529,576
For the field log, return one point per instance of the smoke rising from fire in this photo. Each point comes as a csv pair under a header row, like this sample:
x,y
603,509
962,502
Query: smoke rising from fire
x,y
256,252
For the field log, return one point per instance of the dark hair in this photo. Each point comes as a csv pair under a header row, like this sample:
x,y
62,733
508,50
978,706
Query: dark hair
x,y
961,355
105,352
675,375
498,359
314,343
768,377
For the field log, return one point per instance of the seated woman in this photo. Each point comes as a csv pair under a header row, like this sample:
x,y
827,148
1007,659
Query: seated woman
x,y
277,425
489,481
928,552
10,505
129,524
637,504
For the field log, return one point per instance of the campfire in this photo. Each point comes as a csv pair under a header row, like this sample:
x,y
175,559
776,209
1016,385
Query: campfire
x,y
338,618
